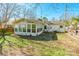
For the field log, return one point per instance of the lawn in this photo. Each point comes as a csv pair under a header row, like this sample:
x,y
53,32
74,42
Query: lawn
x,y
47,44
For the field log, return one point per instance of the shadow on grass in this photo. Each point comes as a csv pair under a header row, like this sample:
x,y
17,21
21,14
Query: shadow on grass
x,y
46,36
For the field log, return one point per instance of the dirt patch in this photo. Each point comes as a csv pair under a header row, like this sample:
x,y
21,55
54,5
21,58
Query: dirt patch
x,y
70,44
36,46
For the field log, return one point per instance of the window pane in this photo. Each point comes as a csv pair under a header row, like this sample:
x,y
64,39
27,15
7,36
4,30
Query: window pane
x,y
20,29
33,28
28,28
24,28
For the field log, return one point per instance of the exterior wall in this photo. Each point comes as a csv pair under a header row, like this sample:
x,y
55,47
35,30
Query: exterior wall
x,y
57,28
49,28
63,29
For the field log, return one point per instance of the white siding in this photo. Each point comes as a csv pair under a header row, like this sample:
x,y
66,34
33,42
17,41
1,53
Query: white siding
x,y
56,28
28,33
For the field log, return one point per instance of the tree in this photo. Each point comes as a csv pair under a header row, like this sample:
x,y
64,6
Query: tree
x,y
67,23
45,18
75,20
39,19
6,12
30,12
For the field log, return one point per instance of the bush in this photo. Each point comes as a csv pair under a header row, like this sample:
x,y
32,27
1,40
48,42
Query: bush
x,y
7,32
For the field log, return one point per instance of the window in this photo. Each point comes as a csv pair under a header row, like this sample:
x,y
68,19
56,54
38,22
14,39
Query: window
x,y
28,27
20,28
33,28
24,28
40,27
61,26
45,27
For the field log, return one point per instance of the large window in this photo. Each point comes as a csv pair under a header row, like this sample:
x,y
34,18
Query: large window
x,y
24,28
28,27
33,28
20,28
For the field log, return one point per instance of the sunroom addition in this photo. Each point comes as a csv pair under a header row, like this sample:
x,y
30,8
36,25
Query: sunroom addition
x,y
25,28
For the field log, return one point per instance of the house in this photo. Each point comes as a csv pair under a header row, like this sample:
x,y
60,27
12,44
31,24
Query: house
x,y
6,26
56,26
36,27
29,27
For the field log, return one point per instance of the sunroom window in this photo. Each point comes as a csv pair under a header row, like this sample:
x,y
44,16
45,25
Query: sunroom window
x,y
28,27
33,28
24,28
20,28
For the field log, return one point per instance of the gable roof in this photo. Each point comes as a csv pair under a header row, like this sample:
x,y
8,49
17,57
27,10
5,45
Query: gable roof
x,y
22,21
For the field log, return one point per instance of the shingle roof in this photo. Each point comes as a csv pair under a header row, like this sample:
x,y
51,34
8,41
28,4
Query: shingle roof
x,y
54,23
28,21
39,22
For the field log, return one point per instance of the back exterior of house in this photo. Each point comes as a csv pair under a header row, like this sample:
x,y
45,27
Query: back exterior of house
x,y
28,27
55,27
37,27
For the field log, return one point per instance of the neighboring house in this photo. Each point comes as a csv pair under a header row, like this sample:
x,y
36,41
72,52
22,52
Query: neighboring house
x,y
29,27
8,27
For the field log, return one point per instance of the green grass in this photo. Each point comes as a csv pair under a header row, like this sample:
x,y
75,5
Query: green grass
x,y
37,47
48,49
61,36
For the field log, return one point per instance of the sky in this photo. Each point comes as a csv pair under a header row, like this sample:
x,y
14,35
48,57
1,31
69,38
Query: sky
x,y
54,10
57,10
